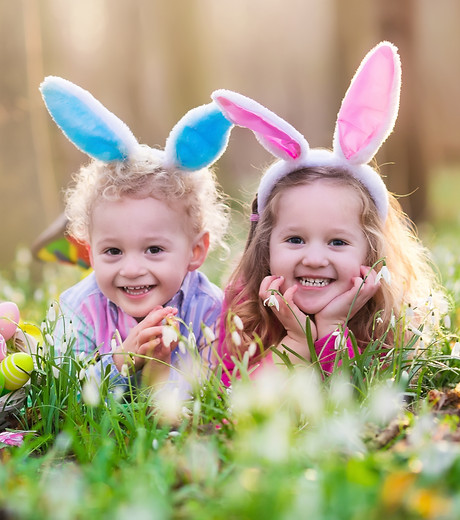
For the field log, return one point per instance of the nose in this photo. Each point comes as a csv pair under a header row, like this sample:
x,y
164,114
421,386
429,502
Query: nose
x,y
315,255
132,267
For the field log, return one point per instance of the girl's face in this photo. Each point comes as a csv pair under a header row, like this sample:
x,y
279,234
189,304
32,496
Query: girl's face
x,y
317,243
141,250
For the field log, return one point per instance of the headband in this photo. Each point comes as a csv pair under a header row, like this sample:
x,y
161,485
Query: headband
x,y
196,141
365,119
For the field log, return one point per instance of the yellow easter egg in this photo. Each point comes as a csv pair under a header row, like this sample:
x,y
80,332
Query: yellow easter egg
x,y
16,370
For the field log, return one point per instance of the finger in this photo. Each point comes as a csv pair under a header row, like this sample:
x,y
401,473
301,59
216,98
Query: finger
x,y
157,315
268,283
289,294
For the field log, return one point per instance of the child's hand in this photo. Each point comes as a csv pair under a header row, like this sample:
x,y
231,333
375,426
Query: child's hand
x,y
290,316
336,311
146,339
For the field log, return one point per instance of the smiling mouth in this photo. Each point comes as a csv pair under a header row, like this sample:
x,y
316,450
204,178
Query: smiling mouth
x,y
314,282
137,290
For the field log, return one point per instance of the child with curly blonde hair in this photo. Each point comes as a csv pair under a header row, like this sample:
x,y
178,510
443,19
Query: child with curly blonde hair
x,y
148,218
325,232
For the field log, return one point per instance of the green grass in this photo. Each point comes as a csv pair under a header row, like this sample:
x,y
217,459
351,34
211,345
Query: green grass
x,y
374,441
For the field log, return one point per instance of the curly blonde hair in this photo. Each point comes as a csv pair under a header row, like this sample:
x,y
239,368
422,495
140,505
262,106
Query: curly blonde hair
x,y
395,241
144,176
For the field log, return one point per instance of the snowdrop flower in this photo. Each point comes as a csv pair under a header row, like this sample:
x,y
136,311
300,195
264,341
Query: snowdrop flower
x,y
56,372
252,349
90,393
81,357
49,339
409,311
82,374
447,322
169,335
182,347
392,321
124,370
51,316
209,334
236,338
385,274
456,350
272,301
238,322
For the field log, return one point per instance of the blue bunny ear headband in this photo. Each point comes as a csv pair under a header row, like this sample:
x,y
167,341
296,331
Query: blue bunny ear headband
x,y
196,141
366,118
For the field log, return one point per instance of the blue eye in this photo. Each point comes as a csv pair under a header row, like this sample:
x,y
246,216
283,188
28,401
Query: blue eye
x,y
113,251
337,242
154,250
295,240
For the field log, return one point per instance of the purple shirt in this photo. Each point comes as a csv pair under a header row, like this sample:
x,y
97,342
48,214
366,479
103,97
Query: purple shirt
x,y
95,320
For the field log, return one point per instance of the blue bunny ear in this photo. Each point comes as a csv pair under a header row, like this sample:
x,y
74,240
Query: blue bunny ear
x,y
86,122
198,139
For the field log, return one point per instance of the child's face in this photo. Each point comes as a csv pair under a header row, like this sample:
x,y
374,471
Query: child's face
x,y
141,250
317,242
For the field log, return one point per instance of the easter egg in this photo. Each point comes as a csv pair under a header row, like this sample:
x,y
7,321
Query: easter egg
x,y
9,319
2,348
16,370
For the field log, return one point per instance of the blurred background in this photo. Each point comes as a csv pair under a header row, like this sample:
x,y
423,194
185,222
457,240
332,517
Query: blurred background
x,y
150,61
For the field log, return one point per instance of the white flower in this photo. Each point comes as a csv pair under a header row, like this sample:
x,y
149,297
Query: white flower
x,y
49,339
238,322
409,311
236,338
182,347
272,301
209,334
55,372
415,331
456,350
51,316
447,322
392,321
252,349
169,334
124,370
155,444
385,274
90,393
82,374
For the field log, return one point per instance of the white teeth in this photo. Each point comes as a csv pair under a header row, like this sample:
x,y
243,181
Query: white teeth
x,y
315,282
140,289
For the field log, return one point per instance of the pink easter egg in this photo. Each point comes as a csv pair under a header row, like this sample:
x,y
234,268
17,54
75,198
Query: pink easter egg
x,y
9,319
2,348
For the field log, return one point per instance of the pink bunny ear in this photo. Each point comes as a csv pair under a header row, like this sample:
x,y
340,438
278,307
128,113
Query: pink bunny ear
x,y
274,133
370,106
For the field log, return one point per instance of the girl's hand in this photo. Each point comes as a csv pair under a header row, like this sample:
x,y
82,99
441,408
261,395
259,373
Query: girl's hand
x,y
337,310
146,339
287,312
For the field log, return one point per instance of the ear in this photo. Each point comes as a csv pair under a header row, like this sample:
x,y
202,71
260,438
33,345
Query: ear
x,y
90,255
200,249
274,133
86,122
198,139
370,106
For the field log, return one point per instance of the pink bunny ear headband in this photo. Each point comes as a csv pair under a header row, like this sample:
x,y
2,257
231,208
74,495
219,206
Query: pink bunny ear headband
x,y
196,141
366,118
